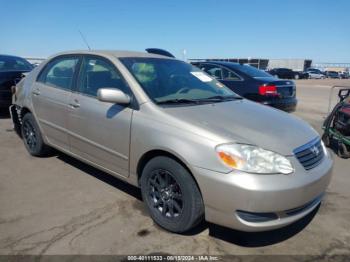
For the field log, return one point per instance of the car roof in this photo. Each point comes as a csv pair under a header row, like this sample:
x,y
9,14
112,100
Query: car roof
x,y
113,53
12,56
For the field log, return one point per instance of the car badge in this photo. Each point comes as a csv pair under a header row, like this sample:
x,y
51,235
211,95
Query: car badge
x,y
315,150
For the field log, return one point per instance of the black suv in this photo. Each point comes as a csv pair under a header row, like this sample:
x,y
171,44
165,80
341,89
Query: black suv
x,y
286,73
252,83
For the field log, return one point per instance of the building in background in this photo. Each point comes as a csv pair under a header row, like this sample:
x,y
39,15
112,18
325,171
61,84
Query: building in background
x,y
294,64
337,67
264,63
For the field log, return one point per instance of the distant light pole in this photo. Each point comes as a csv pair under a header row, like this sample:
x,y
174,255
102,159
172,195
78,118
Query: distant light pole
x,y
184,53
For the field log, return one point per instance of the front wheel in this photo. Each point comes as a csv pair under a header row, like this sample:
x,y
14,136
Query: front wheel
x,y
171,195
32,137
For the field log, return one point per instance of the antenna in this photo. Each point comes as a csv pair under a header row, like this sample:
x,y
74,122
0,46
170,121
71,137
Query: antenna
x,y
84,39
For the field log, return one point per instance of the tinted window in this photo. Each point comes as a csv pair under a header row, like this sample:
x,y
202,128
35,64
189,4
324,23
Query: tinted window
x,y
9,63
166,79
215,71
251,71
219,72
229,75
99,73
60,72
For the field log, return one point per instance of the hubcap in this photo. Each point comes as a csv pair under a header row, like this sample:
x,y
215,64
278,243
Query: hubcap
x,y
165,194
29,135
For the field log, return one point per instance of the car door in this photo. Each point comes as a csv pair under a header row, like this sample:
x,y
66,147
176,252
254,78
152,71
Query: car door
x,y
99,131
50,96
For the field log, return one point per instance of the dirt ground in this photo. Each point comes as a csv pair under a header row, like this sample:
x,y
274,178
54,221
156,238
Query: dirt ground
x,y
59,205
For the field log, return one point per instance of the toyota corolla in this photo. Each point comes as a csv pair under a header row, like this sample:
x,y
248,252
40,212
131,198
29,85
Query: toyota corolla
x,y
195,148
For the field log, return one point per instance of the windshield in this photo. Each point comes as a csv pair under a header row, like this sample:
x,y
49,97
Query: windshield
x,y
9,63
251,71
172,80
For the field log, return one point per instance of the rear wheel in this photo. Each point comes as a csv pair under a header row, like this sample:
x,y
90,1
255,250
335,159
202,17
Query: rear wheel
x,y
296,76
171,195
32,137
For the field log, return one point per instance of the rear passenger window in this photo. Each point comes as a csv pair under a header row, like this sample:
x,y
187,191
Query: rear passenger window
x,y
229,76
99,73
59,73
214,71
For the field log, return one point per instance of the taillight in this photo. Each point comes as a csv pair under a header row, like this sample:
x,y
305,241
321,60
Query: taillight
x,y
268,90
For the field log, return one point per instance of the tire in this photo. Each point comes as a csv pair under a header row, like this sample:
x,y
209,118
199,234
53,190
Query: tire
x,y
171,195
343,151
296,77
32,137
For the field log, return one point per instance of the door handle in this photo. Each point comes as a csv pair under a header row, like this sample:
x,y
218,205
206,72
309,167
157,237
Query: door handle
x,y
75,104
36,92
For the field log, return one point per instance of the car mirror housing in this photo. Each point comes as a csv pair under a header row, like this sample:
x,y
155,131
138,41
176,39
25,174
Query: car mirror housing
x,y
113,95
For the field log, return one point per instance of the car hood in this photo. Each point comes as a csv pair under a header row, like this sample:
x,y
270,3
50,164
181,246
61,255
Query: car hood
x,y
248,122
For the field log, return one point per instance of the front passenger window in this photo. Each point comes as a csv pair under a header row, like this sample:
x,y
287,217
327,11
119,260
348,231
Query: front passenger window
x,y
99,73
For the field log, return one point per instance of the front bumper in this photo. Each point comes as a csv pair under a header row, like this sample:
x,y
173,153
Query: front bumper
x,y
289,197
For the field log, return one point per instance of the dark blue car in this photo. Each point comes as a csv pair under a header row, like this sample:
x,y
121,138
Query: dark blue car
x,y
253,84
11,72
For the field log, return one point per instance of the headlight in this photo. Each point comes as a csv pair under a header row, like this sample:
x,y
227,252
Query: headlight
x,y
253,159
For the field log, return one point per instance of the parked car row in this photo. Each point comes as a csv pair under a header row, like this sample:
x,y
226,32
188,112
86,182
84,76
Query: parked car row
x,y
311,73
286,73
196,149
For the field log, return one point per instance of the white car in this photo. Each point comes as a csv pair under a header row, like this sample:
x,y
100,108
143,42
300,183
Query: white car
x,y
315,74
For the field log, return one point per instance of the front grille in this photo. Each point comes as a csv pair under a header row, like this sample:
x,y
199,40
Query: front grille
x,y
311,154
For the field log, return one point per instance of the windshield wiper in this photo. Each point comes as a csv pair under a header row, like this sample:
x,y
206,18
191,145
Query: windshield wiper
x,y
179,101
198,101
221,98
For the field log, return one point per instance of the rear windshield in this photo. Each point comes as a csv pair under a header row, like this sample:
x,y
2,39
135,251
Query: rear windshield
x,y
251,71
9,63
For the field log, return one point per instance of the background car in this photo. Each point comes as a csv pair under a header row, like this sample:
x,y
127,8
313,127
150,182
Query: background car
x,y
286,73
315,74
253,84
332,74
11,72
344,75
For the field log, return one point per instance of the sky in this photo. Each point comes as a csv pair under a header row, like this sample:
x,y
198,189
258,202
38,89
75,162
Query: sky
x,y
313,29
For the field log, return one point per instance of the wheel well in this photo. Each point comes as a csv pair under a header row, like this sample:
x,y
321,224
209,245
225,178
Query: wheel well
x,y
154,153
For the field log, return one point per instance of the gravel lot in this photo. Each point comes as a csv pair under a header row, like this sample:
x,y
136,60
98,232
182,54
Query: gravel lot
x,y
58,205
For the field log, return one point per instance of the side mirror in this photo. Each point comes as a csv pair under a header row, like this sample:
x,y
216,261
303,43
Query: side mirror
x,y
113,95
